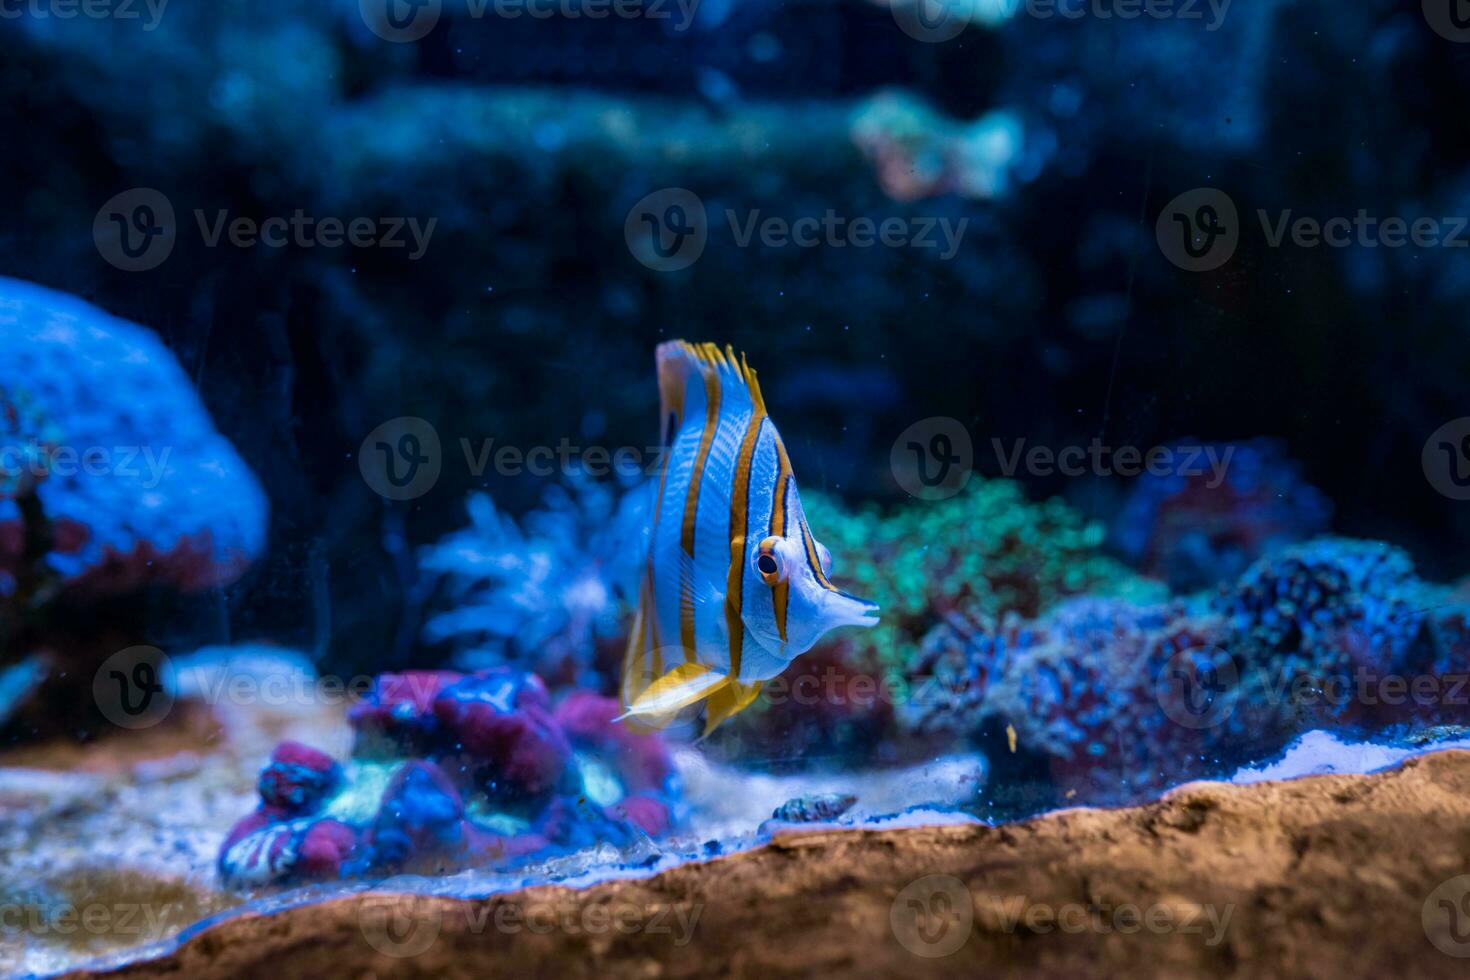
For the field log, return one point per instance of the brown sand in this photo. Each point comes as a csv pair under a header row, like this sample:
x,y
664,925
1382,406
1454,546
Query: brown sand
x,y
1334,876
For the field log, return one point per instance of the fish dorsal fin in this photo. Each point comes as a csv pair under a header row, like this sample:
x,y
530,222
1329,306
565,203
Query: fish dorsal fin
x,y
677,689
727,702
681,364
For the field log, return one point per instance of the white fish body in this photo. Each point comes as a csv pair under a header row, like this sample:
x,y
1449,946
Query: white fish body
x,y
735,585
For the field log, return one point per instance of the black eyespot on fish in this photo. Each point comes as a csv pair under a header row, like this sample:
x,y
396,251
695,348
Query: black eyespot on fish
x,y
767,565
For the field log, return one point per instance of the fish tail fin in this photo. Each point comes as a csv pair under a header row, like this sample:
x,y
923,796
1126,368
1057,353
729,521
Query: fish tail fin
x,y
726,703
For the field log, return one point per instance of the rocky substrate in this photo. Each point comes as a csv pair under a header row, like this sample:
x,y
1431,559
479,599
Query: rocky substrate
x,y
1325,876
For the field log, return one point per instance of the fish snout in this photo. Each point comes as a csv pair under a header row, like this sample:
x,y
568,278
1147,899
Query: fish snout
x,y
849,610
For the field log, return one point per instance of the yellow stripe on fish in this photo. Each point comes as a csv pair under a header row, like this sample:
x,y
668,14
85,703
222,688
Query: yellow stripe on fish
x,y
743,605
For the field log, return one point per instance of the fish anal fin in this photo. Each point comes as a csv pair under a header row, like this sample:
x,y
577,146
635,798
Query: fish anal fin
x,y
679,688
728,702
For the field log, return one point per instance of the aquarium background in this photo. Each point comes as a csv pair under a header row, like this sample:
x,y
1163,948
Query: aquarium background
x,y
1072,228
528,320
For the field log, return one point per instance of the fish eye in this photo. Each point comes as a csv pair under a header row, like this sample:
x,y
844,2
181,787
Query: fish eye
x,y
769,564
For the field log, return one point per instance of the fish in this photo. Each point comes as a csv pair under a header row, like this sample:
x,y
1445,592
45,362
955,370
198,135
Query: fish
x,y
734,586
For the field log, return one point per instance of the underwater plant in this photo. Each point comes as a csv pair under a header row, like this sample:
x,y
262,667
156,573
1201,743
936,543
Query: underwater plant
x,y
549,593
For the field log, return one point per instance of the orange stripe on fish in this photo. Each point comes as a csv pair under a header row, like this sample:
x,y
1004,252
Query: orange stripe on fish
x,y
740,521
815,560
691,498
781,594
732,454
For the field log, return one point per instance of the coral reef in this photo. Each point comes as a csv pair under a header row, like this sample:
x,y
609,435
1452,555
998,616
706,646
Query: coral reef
x,y
916,154
1195,530
1116,699
113,483
988,551
110,459
453,771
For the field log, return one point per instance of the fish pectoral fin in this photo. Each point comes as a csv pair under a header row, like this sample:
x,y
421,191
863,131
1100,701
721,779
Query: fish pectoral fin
x,y
701,591
677,689
728,702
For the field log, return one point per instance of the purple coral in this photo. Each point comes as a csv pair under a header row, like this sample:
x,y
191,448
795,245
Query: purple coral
x,y
1331,605
1238,502
1118,700
483,769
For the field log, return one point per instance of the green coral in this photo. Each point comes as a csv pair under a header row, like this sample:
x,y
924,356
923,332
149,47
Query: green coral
x,y
987,550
